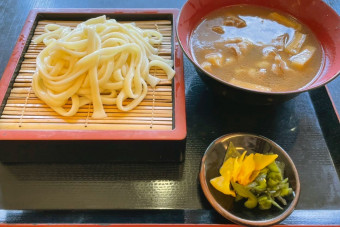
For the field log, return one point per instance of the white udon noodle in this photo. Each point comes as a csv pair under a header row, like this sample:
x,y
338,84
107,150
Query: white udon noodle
x,y
100,62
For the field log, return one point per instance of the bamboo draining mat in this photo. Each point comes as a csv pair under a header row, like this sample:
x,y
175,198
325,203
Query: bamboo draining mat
x,y
24,110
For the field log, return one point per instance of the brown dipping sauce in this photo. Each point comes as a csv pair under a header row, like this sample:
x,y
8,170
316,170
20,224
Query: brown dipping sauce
x,y
257,48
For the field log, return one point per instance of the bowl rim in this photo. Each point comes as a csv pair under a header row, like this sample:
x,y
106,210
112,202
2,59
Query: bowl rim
x,y
296,92
233,217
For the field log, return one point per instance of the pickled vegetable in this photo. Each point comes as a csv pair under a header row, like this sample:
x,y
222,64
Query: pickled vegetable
x,y
244,192
231,152
262,160
222,184
258,178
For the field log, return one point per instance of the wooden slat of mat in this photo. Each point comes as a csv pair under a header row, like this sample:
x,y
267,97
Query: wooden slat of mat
x,y
24,110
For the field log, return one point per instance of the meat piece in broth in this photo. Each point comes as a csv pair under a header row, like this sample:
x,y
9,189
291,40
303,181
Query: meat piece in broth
x,y
269,52
218,29
280,66
215,59
280,42
234,21
295,45
234,48
239,47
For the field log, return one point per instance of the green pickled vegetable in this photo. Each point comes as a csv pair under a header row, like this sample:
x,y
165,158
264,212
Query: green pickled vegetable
x,y
268,187
264,202
282,200
262,185
276,204
281,166
275,176
273,167
244,192
238,197
261,181
286,191
231,152
272,182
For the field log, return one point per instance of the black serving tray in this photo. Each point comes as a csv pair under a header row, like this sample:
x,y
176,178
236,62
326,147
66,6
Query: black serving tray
x,y
170,193
306,127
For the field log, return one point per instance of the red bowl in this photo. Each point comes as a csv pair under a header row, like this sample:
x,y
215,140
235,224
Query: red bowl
x,y
317,15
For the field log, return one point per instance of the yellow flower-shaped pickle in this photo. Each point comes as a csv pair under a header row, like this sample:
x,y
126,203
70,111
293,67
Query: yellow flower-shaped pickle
x,y
228,166
248,166
237,166
262,160
222,184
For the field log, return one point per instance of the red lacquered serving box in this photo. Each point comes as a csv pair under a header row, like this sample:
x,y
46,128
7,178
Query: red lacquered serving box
x,y
92,145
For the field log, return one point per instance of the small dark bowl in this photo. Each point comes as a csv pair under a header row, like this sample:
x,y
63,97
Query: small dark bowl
x,y
225,204
325,26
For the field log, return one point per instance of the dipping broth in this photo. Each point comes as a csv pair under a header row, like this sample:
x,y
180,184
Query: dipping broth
x,y
257,48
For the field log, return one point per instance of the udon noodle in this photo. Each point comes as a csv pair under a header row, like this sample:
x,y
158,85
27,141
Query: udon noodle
x,y
100,62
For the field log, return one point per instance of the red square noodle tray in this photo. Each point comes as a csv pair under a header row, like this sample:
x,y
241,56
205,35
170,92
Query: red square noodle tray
x,y
42,145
